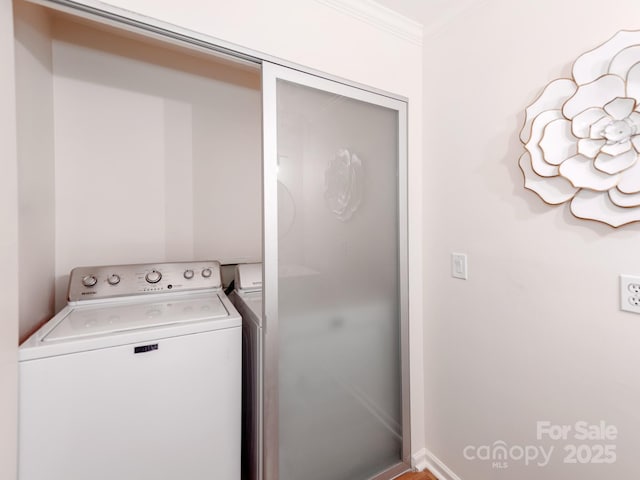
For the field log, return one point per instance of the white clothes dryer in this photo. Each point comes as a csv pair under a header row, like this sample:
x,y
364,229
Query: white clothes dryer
x,y
247,298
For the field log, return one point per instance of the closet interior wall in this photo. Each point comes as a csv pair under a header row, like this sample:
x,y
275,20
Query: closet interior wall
x,y
130,150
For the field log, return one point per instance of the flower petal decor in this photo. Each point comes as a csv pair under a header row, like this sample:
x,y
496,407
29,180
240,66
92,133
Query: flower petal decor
x,y
343,184
582,135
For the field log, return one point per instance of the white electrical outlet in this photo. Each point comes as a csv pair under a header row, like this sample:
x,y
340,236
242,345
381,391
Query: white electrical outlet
x,y
630,293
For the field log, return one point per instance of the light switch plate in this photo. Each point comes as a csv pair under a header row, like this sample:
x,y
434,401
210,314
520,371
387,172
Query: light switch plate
x,y
459,265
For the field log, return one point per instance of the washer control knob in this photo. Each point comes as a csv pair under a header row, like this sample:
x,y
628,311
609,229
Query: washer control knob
x,y
113,279
89,280
153,276
188,274
206,273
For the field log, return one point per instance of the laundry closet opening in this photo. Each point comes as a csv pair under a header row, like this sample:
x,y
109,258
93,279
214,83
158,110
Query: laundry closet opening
x,y
138,149
131,150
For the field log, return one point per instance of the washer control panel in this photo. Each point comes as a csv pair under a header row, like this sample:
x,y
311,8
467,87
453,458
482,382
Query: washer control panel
x,y
90,283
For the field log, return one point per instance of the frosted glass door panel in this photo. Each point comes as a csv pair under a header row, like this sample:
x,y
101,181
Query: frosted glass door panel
x,y
339,370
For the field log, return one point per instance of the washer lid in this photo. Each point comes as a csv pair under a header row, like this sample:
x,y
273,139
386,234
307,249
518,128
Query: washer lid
x,y
96,320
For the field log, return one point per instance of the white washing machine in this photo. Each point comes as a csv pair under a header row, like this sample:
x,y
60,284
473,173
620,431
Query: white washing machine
x,y
138,377
247,298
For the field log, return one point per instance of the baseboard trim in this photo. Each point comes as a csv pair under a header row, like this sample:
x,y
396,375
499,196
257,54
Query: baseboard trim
x,y
419,460
433,464
380,17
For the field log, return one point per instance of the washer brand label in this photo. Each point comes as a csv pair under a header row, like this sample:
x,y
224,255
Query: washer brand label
x,y
145,348
89,293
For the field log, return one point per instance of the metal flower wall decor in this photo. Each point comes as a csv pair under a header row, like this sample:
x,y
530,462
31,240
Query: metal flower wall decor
x,y
582,135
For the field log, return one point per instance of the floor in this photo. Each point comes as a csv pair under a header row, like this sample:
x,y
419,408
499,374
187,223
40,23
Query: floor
x,y
417,476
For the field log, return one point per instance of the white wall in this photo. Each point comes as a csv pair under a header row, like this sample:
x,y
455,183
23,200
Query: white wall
x,y
535,333
36,202
157,154
8,248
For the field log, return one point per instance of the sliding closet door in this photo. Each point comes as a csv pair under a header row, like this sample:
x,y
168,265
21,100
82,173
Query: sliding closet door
x,y
335,280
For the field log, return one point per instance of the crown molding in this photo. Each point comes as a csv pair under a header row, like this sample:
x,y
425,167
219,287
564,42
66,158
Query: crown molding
x,y
380,17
